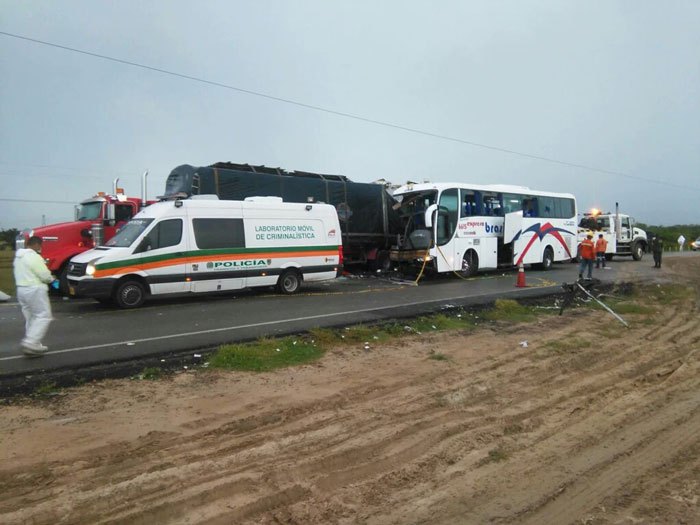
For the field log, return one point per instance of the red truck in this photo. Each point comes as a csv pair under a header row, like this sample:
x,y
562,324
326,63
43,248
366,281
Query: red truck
x,y
97,219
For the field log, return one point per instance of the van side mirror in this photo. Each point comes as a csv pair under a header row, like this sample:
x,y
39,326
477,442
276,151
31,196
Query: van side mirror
x,y
429,215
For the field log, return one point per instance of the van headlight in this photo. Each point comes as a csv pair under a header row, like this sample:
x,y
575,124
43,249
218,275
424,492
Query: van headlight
x,y
90,269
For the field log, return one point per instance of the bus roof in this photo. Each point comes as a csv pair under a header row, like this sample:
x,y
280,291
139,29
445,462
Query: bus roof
x,y
497,188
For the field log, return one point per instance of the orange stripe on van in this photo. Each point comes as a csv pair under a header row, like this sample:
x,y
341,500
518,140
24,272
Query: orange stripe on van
x,y
210,258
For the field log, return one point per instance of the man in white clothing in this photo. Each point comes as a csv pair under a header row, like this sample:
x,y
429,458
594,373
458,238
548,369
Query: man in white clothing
x,y
32,277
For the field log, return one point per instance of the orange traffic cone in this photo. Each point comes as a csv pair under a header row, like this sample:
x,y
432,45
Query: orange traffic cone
x,y
520,283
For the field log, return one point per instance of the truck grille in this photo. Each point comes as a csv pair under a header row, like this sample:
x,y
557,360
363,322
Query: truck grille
x,y
76,269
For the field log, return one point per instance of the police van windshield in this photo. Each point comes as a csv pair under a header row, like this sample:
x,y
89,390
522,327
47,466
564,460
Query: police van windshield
x,y
129,233
90,211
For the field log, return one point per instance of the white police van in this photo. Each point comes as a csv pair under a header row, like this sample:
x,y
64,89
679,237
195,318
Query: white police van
x,y
202,244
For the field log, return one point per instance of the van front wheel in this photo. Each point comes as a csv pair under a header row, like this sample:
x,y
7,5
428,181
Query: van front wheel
x,y
289,282
129,294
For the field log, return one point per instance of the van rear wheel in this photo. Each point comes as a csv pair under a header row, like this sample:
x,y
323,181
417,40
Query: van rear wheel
x,y
289,282
129,294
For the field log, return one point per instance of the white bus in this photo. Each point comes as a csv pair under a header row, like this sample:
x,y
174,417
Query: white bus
x,y
465,227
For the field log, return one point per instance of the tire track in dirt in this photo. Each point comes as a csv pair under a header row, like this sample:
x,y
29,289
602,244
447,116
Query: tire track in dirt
x,y
399,446
582,495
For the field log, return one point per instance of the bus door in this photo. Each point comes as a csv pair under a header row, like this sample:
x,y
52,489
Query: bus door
x,y
445,226
513,235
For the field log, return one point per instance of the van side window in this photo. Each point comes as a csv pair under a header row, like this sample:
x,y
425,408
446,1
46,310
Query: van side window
x,y
218,233
165,233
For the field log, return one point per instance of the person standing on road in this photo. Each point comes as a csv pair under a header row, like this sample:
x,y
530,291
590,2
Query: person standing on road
x,y
681,242
600,246
587,255
657,248
32,277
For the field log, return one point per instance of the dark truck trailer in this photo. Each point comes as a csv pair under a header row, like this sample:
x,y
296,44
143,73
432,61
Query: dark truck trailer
x,y
368,220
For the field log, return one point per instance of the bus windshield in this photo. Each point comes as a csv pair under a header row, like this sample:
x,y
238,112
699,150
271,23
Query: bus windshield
x,y
129,233
89,211
413,206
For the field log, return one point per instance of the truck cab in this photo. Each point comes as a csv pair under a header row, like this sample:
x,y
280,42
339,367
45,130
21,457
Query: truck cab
x,y
618,229
97,219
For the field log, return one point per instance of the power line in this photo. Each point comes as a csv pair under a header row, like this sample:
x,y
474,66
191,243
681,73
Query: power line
x,y
347,115
99,170
40,201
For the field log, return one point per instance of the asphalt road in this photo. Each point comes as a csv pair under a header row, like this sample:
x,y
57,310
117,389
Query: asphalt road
x,y
86,333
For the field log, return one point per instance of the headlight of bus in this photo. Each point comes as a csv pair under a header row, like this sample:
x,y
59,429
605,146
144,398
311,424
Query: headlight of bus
x,y
90,269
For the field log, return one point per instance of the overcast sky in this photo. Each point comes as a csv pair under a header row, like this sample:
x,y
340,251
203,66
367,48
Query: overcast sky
x,y
612,85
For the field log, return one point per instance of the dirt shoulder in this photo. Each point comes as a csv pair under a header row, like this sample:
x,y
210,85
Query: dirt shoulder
x,y
589,423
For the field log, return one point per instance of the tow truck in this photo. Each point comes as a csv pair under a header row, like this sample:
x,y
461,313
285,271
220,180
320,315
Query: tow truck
x,y
624,238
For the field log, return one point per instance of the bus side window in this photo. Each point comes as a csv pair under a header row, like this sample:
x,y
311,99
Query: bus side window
x,y
530,207
546,207
468,204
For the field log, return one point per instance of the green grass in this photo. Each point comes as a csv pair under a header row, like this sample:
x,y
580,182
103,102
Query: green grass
x,y
440,322
509,310
496,455
665,294
7,280
266,354
568,345
46,389
151,373
513,428
632,308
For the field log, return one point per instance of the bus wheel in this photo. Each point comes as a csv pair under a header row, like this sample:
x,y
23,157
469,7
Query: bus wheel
x,y
129,294
547,260
637,251
289,282
470,264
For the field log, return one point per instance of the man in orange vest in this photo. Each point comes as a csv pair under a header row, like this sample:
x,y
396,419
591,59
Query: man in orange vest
x,y
586,251
600,246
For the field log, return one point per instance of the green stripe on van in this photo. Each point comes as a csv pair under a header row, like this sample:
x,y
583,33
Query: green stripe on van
x,y
201,253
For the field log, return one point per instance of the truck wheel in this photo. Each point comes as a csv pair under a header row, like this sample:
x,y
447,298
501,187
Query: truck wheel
x,y
470,264
383,261
637,251
608,256
63,280
289,282
547,260
129,294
